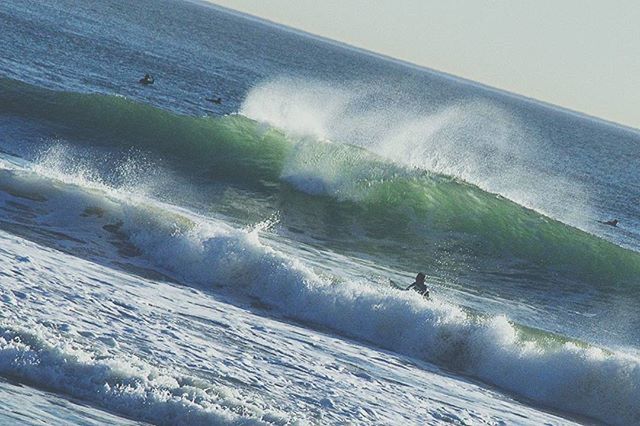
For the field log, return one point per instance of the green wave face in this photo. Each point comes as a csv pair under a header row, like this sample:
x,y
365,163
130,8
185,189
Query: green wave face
x,y
233,147
439,208
334,192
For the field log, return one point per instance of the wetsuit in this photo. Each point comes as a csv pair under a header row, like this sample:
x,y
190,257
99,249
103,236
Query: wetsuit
x,y
420,288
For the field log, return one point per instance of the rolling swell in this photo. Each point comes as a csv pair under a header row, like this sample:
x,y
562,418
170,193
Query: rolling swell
x,y
378,195
232,147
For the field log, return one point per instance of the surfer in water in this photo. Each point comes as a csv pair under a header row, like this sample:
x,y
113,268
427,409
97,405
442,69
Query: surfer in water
x,y
419,285
613,222
213,100
147,79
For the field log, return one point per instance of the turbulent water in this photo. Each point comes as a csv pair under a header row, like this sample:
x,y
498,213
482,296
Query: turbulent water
x,y
166,259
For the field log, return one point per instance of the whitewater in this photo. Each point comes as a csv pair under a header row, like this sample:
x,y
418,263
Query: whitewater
x,y
169,260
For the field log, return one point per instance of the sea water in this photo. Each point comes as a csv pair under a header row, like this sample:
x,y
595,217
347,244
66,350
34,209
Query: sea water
x,y
171,260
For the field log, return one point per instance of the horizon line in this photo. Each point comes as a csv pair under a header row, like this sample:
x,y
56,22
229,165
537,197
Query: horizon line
x,y
439,73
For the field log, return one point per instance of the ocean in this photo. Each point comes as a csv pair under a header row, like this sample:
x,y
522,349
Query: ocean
x,y
166,259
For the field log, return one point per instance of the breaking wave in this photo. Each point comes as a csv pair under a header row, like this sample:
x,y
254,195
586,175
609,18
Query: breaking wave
x,y
197,251
377,191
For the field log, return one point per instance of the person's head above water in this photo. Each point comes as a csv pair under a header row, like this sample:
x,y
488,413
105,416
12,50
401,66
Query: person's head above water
x,y
420,277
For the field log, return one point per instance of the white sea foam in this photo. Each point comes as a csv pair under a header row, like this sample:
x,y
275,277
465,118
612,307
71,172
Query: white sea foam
x,y
129,386
202,252
568,376
176,355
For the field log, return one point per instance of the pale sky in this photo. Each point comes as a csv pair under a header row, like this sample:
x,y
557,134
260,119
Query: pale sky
x,y
580,54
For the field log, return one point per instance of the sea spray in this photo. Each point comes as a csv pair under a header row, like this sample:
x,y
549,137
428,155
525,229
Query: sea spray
x,y
475,140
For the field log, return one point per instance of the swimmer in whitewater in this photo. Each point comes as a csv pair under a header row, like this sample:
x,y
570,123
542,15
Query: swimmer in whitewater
x,y
419,286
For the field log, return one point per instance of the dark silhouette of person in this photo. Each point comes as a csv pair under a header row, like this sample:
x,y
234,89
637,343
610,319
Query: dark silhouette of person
x,y
419,285
147,79
217,100
613,222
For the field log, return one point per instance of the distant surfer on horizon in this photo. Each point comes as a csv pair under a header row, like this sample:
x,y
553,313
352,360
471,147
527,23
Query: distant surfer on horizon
x,y
146,80
214,100
613,222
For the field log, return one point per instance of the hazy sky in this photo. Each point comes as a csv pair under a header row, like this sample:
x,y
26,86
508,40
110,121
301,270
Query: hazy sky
x,y
580,54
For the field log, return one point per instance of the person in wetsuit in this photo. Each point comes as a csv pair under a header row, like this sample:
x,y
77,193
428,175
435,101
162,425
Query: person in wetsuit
x,y
419,285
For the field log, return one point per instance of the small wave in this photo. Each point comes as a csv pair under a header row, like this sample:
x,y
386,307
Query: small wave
x,y
128,386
